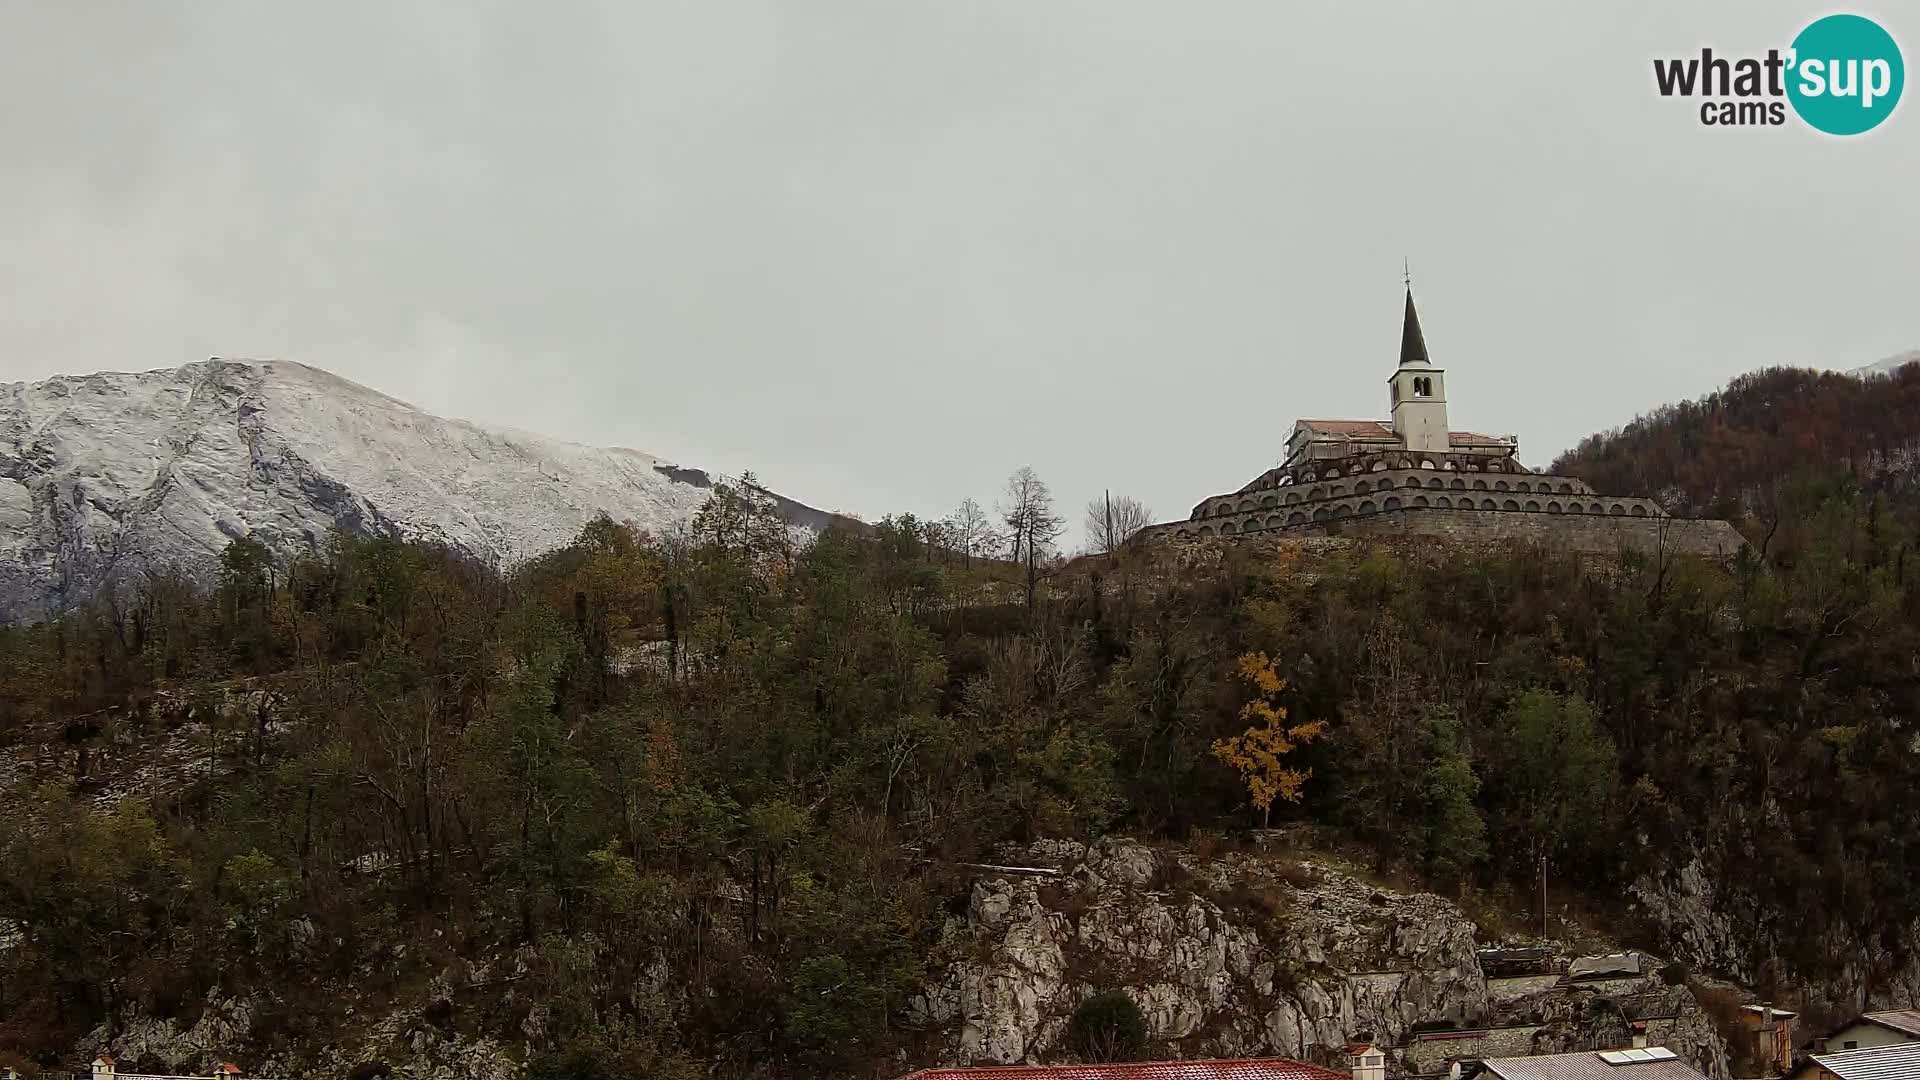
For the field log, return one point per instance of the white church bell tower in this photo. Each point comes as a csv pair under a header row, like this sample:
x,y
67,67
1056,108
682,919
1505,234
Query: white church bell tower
x,y
1419,392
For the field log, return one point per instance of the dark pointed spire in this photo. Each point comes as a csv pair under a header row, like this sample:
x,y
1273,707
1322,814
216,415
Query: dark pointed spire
x,y
1413,344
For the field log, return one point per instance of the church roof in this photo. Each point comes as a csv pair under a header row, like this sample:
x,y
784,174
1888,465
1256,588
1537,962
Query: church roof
x,y
1413,344
1383,429
1357,428
1474,438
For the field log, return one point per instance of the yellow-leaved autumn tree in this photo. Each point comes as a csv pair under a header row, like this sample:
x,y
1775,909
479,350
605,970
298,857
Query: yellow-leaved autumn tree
x,y
1258,753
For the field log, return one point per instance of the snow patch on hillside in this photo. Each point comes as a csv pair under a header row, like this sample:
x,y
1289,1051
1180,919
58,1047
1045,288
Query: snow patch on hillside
x,y
115,474
1890,365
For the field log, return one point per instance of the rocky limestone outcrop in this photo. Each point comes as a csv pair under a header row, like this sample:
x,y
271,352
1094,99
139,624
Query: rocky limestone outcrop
x,y
1241,955
1690,907
403,1042
1711,922
1249,954
190,1049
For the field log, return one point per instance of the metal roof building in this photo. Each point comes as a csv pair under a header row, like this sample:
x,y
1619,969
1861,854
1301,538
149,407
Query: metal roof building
x,y
1610,966
1900,1061
1652,1063
1244,1069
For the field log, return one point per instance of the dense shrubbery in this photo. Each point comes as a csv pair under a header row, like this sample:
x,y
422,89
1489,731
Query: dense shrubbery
x,y
736,853
1732,453
1108,1026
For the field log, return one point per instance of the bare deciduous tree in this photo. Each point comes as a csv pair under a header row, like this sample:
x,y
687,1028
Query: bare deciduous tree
x,y
1113,519
1032,526
970,532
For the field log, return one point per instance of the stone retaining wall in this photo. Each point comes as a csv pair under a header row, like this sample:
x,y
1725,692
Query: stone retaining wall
x,y
1393,489
1431,1054
1587,532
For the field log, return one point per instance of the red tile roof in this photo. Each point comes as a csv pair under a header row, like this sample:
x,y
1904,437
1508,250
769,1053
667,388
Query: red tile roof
x,y
1905,1021
1244,1069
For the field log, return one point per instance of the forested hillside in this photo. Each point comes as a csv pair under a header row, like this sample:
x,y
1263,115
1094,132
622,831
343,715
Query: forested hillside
x,y
712,789
1728,454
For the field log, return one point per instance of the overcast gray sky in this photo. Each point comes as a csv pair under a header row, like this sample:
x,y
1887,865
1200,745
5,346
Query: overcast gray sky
x,y
884,252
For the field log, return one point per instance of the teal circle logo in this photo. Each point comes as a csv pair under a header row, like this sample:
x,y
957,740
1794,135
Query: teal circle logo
x,y
1845,74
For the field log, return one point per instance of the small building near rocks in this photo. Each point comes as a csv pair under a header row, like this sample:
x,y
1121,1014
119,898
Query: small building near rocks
x,y
1769,1033
1897,1061
1650,1063
1518,963
1612,973
105,1067
1198,1069
1889,1028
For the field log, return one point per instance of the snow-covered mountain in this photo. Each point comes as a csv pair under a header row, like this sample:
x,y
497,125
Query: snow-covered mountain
x,y
1890,364
107,475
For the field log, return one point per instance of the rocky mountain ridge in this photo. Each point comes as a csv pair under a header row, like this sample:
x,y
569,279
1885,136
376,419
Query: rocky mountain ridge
x,y
1890,365
111,475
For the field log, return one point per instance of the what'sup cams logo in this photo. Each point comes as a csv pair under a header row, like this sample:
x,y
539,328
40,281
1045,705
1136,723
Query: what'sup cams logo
x,y
1842,75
